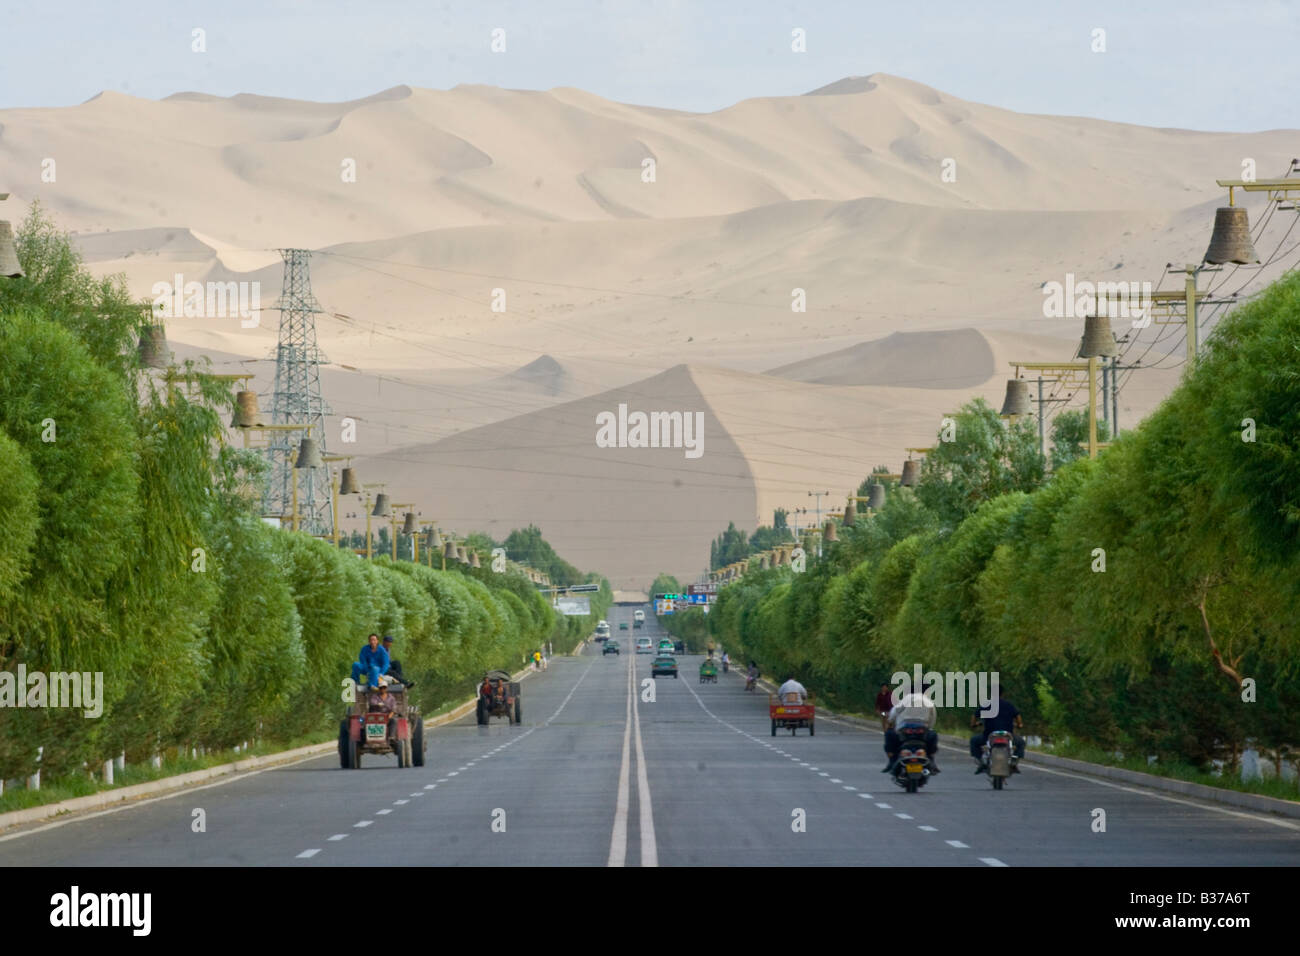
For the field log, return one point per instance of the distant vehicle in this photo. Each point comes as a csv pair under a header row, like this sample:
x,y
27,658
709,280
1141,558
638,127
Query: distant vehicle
x,y
643,646
666,646
602,631
638,623
622,625
638,615
611,647
498,696
680,647
663,664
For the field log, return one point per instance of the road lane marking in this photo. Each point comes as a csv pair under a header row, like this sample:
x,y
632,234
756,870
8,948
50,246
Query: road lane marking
x,y
904,816
929,829
649,849
847,787
363,823
836,780
308,854
884,806
339,836
991,861
957,843
380,813
618,838
398,803
418,793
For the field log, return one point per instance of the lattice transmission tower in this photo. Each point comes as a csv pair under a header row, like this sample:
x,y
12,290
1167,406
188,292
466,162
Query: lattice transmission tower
x,y
297,401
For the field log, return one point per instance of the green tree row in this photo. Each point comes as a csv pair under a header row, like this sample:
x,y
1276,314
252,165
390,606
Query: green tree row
x,y
1144,601
131,545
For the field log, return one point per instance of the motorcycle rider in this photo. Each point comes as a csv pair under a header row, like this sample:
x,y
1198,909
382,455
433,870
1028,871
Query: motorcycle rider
x,y
913,708
751,678
1008,719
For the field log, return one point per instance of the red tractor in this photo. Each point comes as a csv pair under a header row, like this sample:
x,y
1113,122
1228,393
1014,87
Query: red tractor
x,y
368,729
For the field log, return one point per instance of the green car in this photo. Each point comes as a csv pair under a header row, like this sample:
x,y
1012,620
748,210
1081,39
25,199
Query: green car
x,y
611,647
663,664
622,625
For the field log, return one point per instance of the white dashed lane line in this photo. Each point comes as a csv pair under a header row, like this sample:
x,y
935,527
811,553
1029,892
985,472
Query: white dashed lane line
x,y
363,823
307,854
956,844
339,836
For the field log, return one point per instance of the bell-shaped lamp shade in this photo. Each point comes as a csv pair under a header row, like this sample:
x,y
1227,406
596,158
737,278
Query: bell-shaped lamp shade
x,y
1098,340
9,267
1230,240
382,507
308,455
1017,400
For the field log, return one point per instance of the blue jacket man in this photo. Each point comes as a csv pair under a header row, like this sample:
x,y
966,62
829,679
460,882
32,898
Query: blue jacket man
x,y
373,661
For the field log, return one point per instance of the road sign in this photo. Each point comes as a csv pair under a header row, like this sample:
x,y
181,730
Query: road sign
x,y
573,607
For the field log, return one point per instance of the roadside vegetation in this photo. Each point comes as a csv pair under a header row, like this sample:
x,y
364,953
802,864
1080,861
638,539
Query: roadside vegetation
x,y
131,544
1143,602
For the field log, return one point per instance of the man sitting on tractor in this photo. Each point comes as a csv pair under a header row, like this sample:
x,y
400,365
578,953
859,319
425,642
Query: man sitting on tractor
x,y
372,661
394,665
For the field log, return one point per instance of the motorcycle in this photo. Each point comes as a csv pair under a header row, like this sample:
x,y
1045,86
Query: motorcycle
x,y
999,757
912,768
750,681
726,665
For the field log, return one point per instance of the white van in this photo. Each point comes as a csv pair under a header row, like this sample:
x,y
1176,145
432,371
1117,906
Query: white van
x,y
638,615
602,631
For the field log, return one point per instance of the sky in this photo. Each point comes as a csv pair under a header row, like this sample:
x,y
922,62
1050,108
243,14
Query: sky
x,y
1191,64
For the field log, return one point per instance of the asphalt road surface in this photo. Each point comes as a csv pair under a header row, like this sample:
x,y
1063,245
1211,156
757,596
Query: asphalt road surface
x,y
599,774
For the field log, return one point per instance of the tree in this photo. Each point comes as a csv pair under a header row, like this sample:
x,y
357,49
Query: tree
x,y
985,458
1070,436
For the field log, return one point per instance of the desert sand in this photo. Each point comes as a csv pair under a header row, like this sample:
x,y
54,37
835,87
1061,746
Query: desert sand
x,y
670,294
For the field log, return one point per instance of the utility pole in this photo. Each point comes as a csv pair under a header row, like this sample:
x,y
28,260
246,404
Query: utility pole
x,y
297,398
818,495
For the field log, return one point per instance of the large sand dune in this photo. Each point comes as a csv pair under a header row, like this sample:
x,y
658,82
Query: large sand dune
x,y
919,228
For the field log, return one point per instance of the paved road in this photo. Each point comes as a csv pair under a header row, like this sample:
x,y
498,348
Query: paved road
x,y
596,774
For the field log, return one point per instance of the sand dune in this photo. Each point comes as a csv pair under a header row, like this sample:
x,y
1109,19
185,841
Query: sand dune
x,y
426,208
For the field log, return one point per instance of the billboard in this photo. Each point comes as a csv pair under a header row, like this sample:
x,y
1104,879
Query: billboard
x,y
573,606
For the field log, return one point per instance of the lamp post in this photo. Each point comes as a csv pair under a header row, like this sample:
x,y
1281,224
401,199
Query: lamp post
x,y
393,520
381,510
339,486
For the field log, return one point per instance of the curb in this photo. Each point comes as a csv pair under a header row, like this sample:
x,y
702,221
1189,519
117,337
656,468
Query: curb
x,y
108,798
